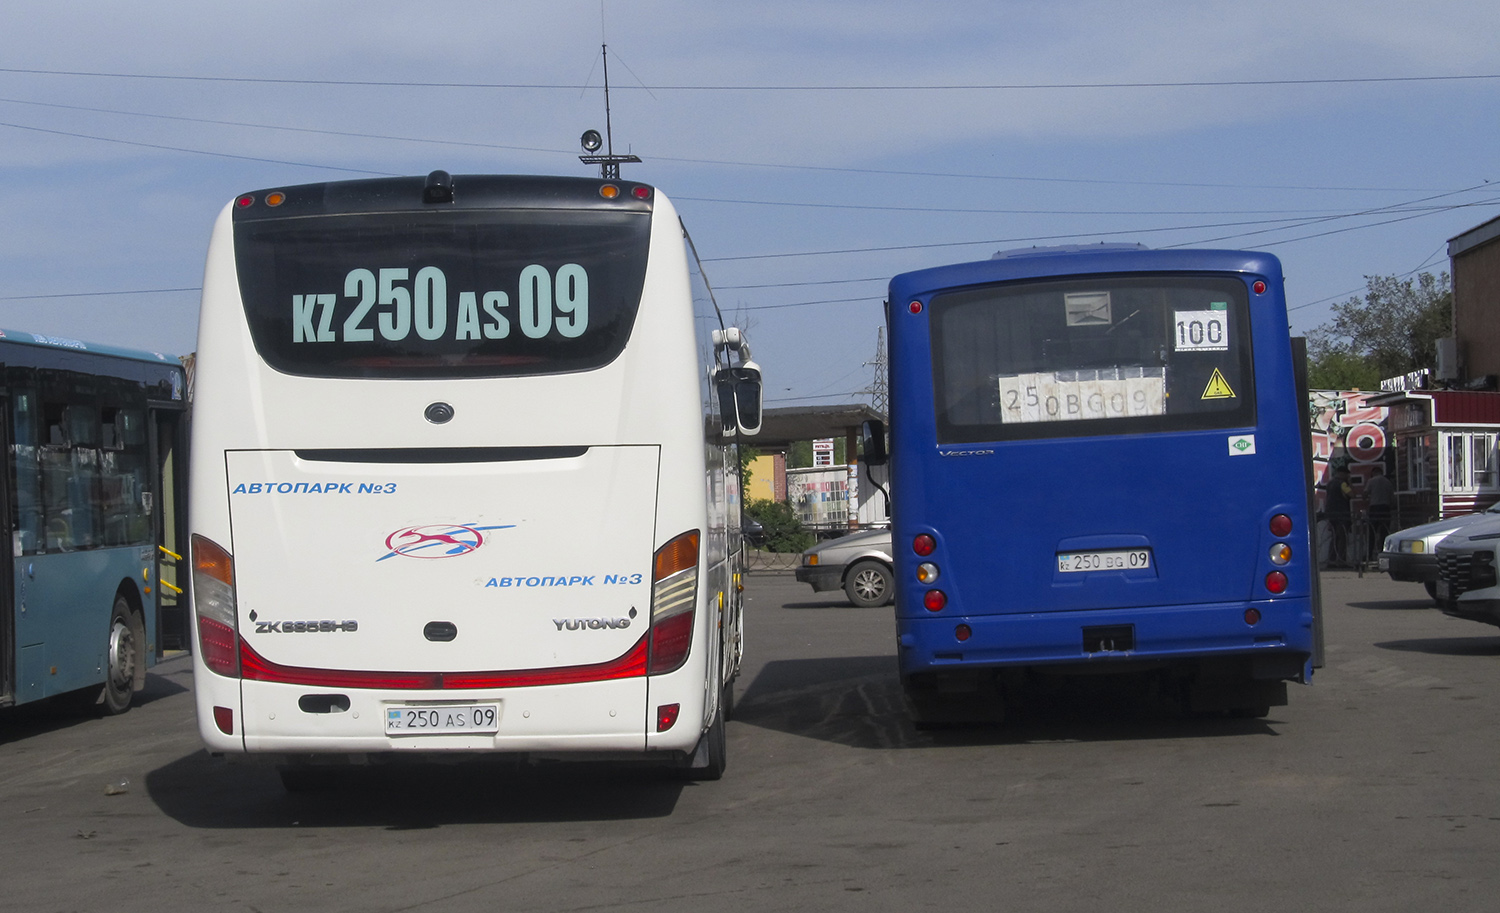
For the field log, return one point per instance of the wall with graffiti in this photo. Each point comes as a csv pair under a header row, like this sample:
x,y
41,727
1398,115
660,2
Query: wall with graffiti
x,y
1348,433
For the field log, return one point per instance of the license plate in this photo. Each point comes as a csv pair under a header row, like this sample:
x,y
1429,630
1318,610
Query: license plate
x,y
440,719
1122,559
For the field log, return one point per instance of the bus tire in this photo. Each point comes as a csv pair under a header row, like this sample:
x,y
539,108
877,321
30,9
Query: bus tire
x,y
869,584
122,661
726,700
708,760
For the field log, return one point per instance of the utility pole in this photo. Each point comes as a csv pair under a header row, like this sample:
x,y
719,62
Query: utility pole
x,y
880,394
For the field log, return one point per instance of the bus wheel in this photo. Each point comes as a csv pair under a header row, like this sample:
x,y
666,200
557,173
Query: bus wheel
x,y
868,584
708,761
123,657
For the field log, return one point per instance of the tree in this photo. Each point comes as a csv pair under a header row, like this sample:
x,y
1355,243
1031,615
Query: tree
x,y
1391,331
748,456
784,532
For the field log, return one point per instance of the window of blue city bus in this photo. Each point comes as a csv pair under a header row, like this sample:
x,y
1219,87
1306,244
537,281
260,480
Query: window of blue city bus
x,y
1091,356
475,293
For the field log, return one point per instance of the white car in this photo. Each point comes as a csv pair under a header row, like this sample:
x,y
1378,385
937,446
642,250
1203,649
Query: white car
x,y
859,564
1411,554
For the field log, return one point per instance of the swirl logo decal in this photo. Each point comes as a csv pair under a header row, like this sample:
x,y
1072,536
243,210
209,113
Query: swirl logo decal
x,y
436,541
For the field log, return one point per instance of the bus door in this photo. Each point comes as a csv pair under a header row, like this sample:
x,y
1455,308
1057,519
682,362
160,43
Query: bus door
x,y
169,519
7,580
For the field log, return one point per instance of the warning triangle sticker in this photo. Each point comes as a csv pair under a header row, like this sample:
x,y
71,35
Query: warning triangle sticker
x,y
1218,387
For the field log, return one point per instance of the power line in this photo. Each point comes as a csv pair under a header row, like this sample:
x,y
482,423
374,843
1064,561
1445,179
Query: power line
x,y
1285,224
768,87
721,163
138,291
227,155
235,123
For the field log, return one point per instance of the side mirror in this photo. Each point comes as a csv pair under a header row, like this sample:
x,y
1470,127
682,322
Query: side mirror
x,y
872,443
740,398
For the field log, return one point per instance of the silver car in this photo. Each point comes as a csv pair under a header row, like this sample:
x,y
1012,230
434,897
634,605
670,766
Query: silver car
x,y
1411,554
859,564
1468,586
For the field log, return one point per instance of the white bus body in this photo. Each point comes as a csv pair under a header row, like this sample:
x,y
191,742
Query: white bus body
x,y
456,482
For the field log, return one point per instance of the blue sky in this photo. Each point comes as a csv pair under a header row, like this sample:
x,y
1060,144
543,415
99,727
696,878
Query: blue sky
x,y
805,144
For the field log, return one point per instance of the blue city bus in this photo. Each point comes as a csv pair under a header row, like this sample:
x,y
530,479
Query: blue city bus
x,y
1098,463
94,494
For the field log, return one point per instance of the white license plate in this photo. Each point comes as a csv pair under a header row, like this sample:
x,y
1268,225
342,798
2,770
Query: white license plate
x,y
1122,559
442,719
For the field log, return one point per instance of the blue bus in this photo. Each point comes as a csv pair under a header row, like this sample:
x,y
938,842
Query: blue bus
x,y
1098,462
94,494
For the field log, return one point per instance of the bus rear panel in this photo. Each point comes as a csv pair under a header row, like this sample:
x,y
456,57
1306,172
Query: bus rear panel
x,y
451,490
1097,466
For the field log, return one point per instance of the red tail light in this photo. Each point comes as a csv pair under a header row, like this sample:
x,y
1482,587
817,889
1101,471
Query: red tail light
x,y
674,601
666,716
214,604
1276,582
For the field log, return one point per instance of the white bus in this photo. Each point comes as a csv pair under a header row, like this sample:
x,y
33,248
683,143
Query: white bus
x,y
464,477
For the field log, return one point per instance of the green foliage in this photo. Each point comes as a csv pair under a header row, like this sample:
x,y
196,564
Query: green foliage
x,y
748,456
784,532
1391,331
1342,370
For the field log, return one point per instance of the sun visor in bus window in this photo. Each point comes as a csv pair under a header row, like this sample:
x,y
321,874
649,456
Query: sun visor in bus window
x,y
468,293
1102,355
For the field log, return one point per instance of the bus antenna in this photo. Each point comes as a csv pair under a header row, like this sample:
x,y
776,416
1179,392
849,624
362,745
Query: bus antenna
x,y
609,163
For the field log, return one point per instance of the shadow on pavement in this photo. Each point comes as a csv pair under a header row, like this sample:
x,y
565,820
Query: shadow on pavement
x,y
1446,646
1396,605
857,701
207,792
67,710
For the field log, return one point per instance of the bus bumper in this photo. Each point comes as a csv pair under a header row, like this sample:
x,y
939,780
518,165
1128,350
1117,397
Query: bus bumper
x,y
1280,642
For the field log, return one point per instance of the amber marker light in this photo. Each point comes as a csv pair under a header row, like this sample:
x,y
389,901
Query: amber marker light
x,y
275,198
609,191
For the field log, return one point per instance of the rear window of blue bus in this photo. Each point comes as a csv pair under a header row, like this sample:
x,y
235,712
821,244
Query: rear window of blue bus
x,y
1094,355
453,294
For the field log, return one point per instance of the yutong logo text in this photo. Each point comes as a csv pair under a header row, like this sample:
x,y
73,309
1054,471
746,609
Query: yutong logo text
x,y
592,624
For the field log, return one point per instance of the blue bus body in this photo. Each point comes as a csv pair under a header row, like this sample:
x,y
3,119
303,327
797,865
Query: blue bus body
x,y
92,495
1090,537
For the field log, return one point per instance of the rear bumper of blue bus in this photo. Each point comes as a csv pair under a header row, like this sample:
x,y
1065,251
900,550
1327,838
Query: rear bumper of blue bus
x,y
1283,635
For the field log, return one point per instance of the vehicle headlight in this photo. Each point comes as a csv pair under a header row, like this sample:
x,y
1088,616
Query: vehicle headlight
x,y
1413,546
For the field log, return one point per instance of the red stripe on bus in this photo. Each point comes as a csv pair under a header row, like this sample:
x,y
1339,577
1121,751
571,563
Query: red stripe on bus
x,y
631,664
